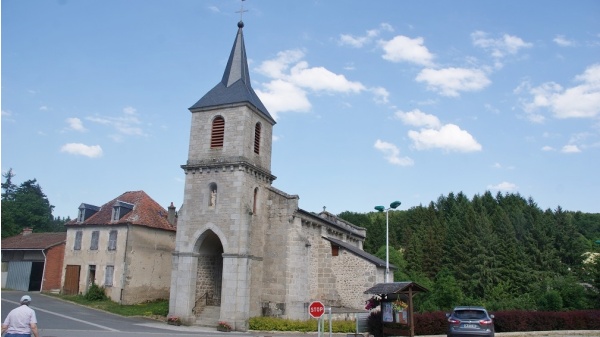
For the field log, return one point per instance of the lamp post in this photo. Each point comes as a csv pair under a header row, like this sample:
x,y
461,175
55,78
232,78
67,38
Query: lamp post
x,y
393,205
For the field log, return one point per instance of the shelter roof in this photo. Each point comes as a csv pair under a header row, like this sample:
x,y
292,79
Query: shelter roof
x,y
396,288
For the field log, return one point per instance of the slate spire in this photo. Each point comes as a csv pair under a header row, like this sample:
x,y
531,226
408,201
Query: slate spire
x,y
235,86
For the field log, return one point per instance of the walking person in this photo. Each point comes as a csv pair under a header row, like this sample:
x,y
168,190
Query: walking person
x,y
21,321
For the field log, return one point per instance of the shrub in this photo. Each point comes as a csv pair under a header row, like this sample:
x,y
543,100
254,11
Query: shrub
x,y
280,324
95,293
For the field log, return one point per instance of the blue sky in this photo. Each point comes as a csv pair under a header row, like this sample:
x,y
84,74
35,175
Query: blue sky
x,y
375,101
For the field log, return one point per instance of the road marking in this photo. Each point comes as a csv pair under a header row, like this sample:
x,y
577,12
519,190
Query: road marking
x,y
67,317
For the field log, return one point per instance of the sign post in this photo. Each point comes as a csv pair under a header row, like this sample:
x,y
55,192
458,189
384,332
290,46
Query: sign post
x,y
316,309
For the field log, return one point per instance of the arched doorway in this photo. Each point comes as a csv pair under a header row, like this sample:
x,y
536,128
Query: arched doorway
x,y
209,276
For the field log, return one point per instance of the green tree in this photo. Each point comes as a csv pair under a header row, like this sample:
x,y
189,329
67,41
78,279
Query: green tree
x,y
446,292
24,206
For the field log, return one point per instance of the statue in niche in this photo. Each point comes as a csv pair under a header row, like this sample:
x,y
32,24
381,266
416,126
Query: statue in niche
x,y
213,198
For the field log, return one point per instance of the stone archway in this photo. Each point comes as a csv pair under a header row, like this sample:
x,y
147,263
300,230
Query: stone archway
x,y
209,276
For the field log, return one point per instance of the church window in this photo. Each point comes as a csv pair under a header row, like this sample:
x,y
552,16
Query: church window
x,y
255,199
218,132
212,197
335,250
257,138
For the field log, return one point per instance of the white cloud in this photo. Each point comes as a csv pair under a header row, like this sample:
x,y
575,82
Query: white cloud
x,y
75,124
392,154
547,148
434,134
503,186
321,79
280,96
7,116
292,80
580,101
571,148
418,118
563,41
451,81
404,49
43,108
380,95
449,137
500,47
360,41
79,149
276,67
126,125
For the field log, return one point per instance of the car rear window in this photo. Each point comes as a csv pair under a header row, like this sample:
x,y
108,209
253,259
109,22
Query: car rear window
x,y
470,314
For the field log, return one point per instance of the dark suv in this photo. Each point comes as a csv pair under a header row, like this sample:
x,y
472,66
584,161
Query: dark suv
x,y
470,322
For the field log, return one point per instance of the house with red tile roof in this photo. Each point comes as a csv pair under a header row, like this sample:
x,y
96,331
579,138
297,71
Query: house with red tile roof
x,y
124,246
33,261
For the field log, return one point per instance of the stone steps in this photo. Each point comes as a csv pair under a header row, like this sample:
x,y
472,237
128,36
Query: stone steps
x,y
209,316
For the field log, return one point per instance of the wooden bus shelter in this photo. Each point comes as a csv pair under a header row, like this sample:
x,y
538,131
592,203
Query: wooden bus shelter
x,y
390,294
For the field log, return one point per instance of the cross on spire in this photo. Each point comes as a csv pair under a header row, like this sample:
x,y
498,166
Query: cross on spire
x,y
242,10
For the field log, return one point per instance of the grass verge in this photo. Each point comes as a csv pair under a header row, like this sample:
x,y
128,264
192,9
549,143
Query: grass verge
x,y
155,309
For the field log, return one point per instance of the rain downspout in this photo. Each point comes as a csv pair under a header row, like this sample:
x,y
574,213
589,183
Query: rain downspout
x,y
123,276
44,271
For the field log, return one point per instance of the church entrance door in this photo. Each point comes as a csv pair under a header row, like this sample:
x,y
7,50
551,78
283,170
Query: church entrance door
x,y
209,277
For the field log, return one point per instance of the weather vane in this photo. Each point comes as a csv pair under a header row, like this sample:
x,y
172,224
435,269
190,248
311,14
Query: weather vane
x,y
241,11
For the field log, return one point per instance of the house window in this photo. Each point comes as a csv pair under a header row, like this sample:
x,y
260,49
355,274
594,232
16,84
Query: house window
x,y
80,218
115,213
78,236
257,138
112,240
218,132
94,243
108,276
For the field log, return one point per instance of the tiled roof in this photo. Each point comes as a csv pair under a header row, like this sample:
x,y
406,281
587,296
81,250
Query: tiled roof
x,y
145,212
235,86
353,249
34,241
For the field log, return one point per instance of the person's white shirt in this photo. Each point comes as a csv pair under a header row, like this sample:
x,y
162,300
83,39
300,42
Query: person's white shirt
x,y
20,320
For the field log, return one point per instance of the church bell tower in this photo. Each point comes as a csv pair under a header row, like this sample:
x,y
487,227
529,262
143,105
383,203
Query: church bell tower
x,y
228,171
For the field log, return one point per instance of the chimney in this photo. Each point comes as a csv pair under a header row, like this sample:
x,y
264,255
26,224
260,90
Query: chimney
x,y
26,231
172,215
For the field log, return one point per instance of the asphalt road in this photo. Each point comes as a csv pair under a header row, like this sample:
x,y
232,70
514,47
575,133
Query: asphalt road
x,y
58,318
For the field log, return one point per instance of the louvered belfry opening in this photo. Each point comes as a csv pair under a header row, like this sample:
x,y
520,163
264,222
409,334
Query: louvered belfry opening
x,y
218,132
257,138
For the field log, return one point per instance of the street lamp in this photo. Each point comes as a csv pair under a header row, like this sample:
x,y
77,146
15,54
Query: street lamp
x,y
393,205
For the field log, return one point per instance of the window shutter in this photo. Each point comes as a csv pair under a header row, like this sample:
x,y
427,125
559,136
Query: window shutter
x,y
112,240
78,236
94,244
257,129
218,132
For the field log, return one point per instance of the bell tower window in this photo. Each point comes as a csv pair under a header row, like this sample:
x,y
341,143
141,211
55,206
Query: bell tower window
x,y
217,133
257,138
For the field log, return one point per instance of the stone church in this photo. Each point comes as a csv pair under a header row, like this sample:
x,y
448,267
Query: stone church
x,y
244,248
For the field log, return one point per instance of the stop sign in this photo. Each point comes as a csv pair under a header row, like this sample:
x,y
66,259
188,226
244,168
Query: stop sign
x,y
316,309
